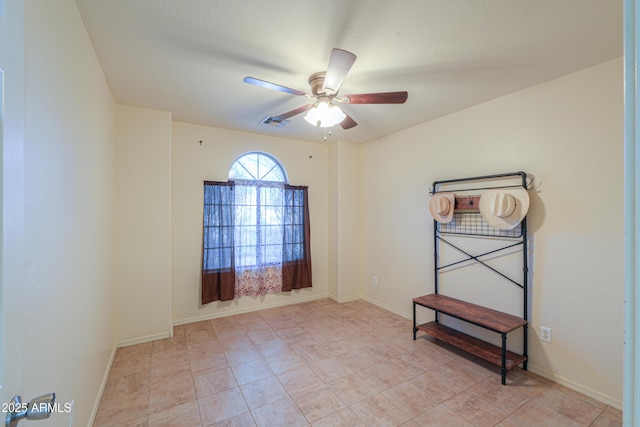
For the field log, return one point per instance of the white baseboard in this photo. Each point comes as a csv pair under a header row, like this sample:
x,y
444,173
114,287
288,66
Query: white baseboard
x,y
347,299
388,308
419,318
247,310
103,385
587,391
141,340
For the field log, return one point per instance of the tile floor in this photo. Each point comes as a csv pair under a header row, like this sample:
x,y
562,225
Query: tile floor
x,y
323,363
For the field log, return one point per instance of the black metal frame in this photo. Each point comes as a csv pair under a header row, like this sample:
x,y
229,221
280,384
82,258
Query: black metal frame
x,y
518,234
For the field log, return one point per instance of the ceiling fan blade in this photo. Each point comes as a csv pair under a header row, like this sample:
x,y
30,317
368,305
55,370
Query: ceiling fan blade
x,y
273,86
377,98
348,122
340,63
292,113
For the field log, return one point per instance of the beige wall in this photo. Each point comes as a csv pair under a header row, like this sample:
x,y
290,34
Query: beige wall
x,y
69,194
344,215
333,217
143,214
568,134
192,163
12,112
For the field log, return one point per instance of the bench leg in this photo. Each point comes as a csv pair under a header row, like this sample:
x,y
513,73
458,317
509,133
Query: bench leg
x,y
503,369
525,351
414,322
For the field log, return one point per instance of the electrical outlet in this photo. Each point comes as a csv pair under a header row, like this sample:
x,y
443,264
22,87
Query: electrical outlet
x,y
374,280
545,334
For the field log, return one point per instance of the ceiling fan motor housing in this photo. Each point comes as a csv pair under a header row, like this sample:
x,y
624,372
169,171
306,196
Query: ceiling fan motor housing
x,y
316,80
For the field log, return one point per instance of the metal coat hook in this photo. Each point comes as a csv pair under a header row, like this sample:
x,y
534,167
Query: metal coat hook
x,y
531,185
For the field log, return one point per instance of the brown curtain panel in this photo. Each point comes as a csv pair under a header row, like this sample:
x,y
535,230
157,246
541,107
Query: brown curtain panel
x,y
296,263
218,269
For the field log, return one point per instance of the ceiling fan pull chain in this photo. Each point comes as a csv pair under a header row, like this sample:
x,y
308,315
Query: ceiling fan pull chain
x,y
325,133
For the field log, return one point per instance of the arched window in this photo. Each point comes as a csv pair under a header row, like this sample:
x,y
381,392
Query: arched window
x,y
257,167
256,232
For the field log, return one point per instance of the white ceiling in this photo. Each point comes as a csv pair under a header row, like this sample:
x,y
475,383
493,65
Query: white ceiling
x,y
189,57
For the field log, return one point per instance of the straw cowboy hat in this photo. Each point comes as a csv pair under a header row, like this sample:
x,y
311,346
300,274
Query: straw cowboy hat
x,y
441,207
504,208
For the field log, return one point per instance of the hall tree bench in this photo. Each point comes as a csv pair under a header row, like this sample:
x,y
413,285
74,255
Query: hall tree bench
x,y
465,219
495,321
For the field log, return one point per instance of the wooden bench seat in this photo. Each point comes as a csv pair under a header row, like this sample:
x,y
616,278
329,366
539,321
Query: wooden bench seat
x,y
484,317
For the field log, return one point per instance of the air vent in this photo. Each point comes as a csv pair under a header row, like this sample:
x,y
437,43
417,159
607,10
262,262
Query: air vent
x,y
272,121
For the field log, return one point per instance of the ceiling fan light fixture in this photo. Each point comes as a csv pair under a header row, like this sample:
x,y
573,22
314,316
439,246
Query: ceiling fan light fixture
x,y
324,114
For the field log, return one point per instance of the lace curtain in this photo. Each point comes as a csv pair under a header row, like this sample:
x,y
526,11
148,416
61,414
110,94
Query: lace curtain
x,y
258,235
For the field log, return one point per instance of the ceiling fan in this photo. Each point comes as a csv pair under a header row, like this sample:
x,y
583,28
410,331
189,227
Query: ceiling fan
x,y
324,91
